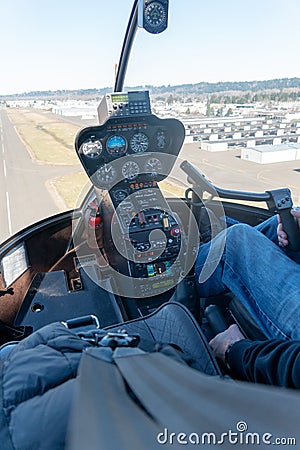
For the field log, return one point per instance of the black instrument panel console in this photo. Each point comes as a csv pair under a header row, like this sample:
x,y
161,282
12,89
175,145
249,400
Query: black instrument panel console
x,y
143,239
126,148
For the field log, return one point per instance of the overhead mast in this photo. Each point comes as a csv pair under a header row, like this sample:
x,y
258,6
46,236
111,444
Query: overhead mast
x,y
152,15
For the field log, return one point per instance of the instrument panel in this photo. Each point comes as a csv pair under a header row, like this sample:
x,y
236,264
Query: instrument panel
x,y
128,156
125,148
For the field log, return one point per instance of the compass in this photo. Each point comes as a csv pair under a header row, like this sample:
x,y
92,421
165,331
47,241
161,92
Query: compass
x,y
155,17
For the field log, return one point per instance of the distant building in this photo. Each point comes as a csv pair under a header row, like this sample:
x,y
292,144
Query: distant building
x,y
266,154
214,146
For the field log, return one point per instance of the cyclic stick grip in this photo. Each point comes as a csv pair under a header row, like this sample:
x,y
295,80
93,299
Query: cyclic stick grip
x,y
281,202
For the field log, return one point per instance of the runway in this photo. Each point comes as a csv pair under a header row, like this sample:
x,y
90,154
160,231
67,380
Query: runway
x,y
24,197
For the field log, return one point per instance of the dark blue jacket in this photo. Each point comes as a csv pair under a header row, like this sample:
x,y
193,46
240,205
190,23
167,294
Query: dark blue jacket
x,y
37,381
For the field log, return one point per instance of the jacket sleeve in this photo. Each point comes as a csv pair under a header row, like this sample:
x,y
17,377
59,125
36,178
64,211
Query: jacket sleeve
x,y
274,361
37,382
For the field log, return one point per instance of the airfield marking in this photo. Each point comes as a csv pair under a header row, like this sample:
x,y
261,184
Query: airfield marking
x,y
4,167
7,196
1,133
8,214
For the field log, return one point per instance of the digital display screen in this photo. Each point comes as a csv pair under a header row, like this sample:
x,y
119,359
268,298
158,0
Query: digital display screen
x,y
119,98
165,283
159,268
137,96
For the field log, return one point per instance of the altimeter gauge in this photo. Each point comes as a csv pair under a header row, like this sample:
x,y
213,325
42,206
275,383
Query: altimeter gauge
x,y
92,148
139,142
130,170
106,174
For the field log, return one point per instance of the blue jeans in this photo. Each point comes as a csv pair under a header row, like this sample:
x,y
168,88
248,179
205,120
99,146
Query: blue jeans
x,y
264,277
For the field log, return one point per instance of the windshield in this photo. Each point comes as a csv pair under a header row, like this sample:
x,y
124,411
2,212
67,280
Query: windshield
x,y
228,70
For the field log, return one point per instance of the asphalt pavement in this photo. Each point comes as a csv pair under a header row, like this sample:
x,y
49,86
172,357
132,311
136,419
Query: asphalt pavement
x,y
227,170
24,196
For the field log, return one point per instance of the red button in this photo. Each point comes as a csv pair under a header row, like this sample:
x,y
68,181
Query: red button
x,y
175,231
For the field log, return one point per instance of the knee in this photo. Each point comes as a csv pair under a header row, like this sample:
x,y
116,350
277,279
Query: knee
x,y
240,232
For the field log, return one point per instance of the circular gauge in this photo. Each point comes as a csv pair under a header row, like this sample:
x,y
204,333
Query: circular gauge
x,y
120,194
155,14
116,145
153,167
92,149
161,139
106,174
139,143
130,170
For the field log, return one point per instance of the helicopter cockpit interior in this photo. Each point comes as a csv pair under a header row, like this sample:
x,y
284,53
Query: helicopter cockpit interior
x,y
119,276
128,248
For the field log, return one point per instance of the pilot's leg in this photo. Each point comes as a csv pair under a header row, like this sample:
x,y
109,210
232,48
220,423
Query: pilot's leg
x,y
269,228
209,268
260,274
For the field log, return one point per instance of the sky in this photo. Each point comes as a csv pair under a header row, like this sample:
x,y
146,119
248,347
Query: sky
x,y
75,44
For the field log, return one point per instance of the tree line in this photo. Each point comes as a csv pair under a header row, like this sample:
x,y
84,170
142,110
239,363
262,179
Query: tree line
x,y
282,89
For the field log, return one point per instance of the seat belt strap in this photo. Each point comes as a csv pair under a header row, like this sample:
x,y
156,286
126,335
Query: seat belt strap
x,y
182,399
103,414
165,387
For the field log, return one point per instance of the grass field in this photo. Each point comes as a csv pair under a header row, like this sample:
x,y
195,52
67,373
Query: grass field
x,y
49,140
171,189
70,187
